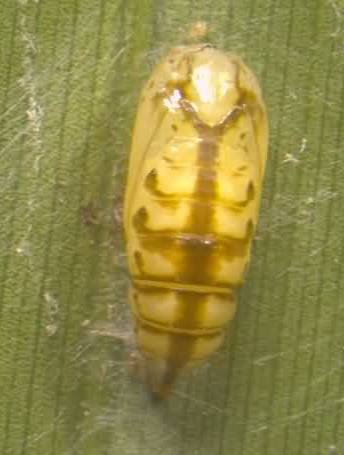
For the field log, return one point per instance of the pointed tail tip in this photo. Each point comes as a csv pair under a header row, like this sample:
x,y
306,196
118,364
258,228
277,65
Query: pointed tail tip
x,y
160,378
160,392
158,375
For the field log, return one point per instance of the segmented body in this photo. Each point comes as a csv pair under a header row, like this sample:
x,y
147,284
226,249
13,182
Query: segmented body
x,y
192,201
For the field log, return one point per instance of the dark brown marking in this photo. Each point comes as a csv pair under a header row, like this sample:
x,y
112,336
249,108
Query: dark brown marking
x,y
151,181
166,241
250,191
165,200
198,241
139,261
198,260
140,219
249,229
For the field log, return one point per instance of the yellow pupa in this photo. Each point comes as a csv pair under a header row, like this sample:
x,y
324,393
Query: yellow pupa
x,y
191,205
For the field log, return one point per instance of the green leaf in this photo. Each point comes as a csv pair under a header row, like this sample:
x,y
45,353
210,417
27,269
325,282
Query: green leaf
x,y
70,77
